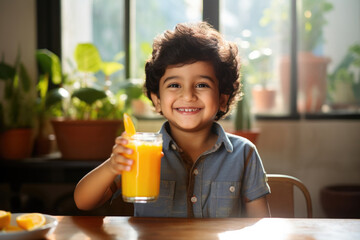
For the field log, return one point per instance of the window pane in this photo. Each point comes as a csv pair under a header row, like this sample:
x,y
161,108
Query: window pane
x,y
261,29
329,56
152,17
95,21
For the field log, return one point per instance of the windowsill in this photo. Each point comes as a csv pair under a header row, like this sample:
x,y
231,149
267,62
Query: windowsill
x,y
330,116
309,116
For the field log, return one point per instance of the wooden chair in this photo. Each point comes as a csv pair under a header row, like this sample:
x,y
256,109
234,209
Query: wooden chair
x,y
281,199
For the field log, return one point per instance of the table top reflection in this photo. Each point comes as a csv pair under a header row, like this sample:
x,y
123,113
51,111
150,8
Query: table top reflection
x,y
131,228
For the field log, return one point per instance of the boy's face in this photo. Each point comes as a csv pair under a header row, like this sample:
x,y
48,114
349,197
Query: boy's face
x,y
189,96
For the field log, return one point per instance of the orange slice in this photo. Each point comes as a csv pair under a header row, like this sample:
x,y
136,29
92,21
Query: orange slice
x,y
29,221
129,125
11,228
5,218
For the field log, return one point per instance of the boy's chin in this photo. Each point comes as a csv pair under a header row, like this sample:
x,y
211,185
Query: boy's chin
x,y
189,127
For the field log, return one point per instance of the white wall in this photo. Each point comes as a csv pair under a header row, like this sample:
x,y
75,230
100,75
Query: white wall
x,y
18,31
318,152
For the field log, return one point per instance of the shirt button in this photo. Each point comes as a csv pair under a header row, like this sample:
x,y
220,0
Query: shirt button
x,y
194,199
173,146
232,189
196,172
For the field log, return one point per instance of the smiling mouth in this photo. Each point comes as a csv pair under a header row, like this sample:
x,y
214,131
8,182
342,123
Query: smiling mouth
x,y
188,110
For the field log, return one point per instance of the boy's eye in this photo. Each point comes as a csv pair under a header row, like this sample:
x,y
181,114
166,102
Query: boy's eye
x,y
173,85
202,85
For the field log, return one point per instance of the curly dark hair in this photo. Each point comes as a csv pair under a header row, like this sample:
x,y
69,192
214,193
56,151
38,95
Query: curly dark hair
x,y
189,43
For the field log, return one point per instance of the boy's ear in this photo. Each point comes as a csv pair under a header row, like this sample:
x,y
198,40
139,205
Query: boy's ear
x,y
156,101
223,102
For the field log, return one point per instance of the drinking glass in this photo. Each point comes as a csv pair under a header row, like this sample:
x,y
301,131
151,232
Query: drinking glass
x,y
142,183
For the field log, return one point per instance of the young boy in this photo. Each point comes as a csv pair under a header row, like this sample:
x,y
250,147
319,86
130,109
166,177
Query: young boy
x,y
193,80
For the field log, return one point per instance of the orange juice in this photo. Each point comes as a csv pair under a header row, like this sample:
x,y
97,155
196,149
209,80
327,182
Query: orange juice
x,y
142,183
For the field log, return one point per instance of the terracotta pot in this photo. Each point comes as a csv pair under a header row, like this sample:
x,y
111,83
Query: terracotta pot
x,y
311,81
16,143
86,139
341,201
251,135
43,145
264,99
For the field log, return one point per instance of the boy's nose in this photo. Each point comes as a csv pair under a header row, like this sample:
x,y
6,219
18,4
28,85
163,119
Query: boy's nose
x,y
189,94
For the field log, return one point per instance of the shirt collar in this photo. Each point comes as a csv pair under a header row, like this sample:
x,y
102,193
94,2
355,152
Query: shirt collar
x,y
167,139
217,128
223,138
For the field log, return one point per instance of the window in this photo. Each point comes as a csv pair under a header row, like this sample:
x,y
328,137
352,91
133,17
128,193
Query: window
x,y
327,54
93,21
275,38
341,46
103,23
263,38
152,17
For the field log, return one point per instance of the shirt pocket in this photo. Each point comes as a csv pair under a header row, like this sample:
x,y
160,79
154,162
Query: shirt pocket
x,y
162,206
225,199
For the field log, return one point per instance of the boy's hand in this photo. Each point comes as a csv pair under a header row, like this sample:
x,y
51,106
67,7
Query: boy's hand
x,y
117,162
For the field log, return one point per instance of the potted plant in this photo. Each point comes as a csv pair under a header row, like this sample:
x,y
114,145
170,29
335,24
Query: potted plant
x,y
90,113
344,88
311,67
16,111
49,71
258,74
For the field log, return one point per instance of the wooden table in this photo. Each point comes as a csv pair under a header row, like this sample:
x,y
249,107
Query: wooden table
x,y
81,227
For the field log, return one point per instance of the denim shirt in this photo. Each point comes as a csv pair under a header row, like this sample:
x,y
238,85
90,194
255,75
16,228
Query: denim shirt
x,y
213,186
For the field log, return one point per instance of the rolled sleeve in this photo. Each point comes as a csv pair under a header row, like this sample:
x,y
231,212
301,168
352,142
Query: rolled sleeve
x,y
254,183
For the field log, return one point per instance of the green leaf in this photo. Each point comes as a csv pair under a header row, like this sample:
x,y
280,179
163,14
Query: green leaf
x,y
44,60
146,48
133,91
111,67
6,71
356,62
24,78
87,58
43,85
327,6
119,56
355,49
15,83
49,64
89,95
55,96
56,75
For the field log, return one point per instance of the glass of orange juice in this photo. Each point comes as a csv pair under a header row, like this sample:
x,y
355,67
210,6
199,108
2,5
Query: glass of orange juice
x,y
142,183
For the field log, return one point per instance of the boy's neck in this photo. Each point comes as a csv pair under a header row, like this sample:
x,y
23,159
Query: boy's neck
x,y
194,143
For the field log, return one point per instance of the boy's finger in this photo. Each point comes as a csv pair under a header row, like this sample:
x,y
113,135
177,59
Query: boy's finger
x,y
121,140
121,149
121,160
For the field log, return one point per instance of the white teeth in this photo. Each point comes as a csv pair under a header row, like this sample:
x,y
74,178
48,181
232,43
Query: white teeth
x,y
188,109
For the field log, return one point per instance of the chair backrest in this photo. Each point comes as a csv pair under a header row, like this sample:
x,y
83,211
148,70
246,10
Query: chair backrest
x,y
281,198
